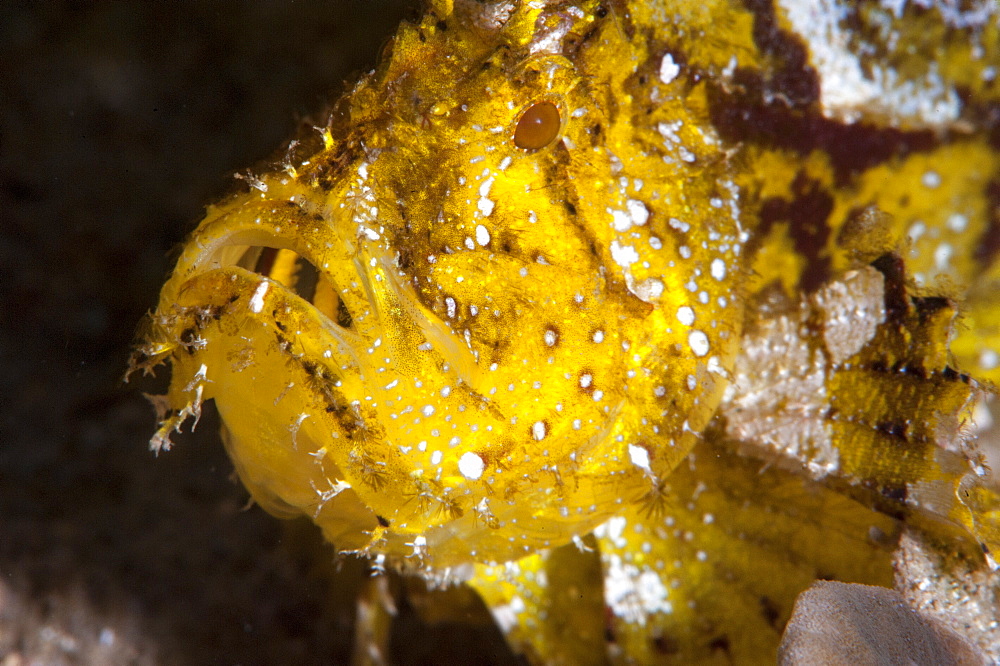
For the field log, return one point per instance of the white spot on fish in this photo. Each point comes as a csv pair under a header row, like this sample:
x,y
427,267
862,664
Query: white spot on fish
x,y
624,255
471,466
482,235
649,290
718,269
942,255
685,315
620,220
257,300
668,69
639,456
698,342
637,211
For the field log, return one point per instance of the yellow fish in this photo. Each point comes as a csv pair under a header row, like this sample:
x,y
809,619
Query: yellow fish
x,y
636,317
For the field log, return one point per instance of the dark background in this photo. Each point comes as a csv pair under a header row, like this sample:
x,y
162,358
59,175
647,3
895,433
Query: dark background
x,y
119,122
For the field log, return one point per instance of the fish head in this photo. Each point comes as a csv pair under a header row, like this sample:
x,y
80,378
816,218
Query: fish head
x,y
487,303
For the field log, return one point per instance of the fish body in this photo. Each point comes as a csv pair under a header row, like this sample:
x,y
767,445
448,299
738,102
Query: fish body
x,y
546,291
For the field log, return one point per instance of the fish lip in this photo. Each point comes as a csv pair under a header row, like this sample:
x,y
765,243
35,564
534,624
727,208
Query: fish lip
x,y
379,293
227,235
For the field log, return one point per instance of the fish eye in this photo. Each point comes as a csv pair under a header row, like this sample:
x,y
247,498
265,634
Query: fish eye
x,y
538,126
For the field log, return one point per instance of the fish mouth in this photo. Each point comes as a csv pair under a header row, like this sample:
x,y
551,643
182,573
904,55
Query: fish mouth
x,y
350,307
300,276
277,251
304,287
349,282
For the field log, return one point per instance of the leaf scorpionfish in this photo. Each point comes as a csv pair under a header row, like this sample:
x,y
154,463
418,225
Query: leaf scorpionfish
x,y
635,317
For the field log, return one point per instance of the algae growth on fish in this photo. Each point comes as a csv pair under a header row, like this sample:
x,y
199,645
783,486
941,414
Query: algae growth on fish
x,y
635,317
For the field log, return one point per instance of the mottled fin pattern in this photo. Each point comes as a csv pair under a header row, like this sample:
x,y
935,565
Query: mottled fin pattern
x,y
865,398
711,575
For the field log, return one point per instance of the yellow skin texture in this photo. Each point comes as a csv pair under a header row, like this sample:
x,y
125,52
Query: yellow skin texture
x,y
534,311
505,350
